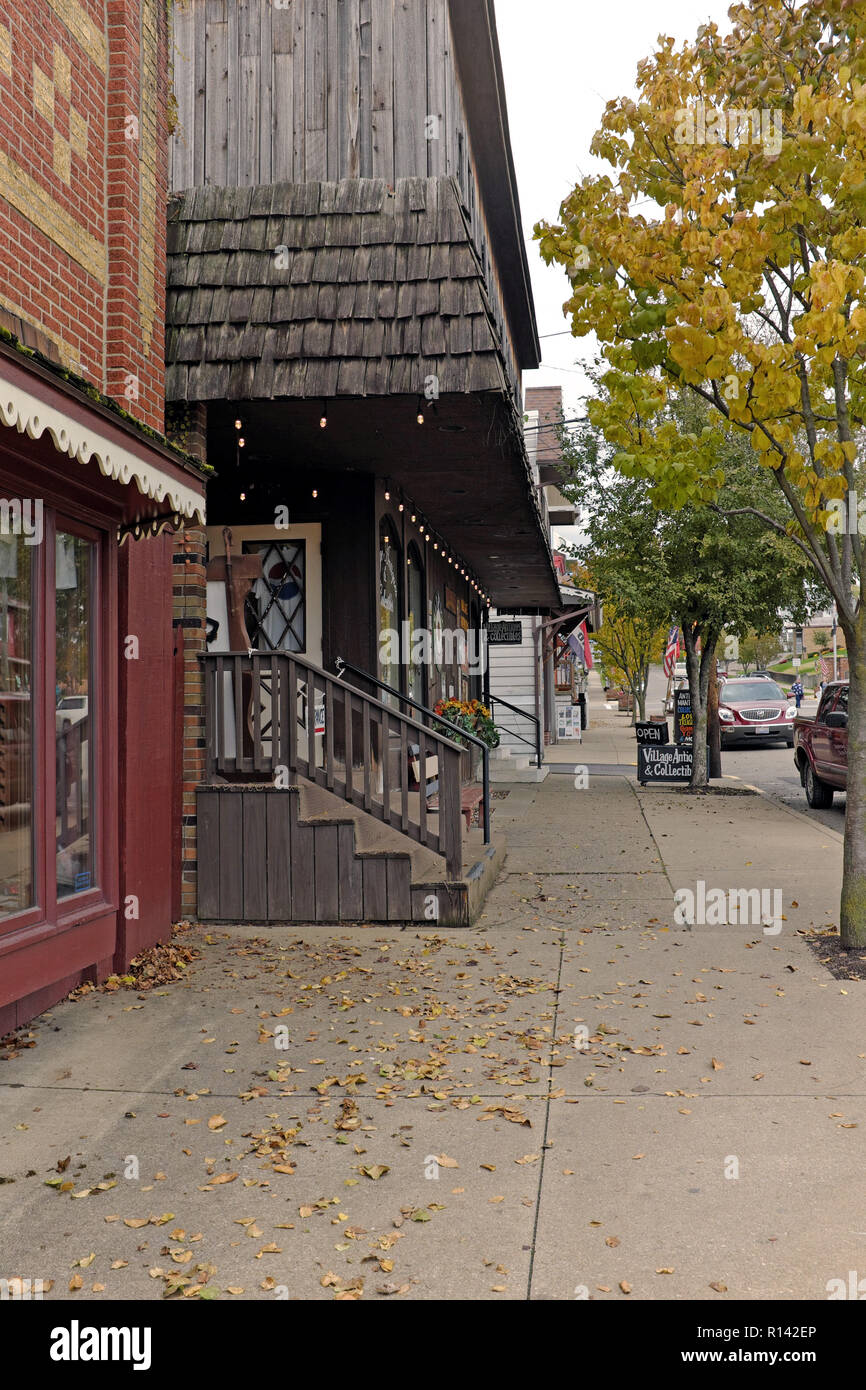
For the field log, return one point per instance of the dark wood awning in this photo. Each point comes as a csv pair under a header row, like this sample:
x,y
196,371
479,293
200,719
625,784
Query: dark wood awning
x,y
369,299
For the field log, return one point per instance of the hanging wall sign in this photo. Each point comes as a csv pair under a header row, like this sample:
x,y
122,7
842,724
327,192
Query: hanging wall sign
x,y
505,634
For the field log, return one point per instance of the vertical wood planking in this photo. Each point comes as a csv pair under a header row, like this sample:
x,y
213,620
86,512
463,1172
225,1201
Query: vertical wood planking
x,y
279,878
410,88
303,867
351,877
198,19
181,174
327,873
349,89
329,736
375,888
350,784
316,90
282,141
437,37
252,70
398,877
255,854
208,823
234,16
383,89
404,778
266,12
368,752
231,864
365,93
298,88
216,81
334,10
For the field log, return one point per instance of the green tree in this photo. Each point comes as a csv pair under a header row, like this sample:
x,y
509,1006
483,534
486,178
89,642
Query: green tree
x,y
757,650
713,572
726,257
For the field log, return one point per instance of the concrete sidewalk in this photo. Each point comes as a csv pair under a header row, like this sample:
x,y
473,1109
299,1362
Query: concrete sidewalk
x,y
576,1098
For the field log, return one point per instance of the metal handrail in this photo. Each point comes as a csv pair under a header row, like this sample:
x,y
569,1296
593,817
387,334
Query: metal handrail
x,y
340,666
527,714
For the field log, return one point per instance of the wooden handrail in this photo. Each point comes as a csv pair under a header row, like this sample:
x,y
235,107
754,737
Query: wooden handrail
x,y
260,719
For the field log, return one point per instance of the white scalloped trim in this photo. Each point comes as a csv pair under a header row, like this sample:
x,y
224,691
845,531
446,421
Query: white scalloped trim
x,y
19,410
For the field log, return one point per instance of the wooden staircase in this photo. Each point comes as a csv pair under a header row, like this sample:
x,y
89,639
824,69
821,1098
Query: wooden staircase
x,y
308,814
302,855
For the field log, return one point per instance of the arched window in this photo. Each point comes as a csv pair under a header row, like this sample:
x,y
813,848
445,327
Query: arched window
x,y
418,655
390,607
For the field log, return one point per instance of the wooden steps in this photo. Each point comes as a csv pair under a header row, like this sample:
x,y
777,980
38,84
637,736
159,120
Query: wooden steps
x,y
301,854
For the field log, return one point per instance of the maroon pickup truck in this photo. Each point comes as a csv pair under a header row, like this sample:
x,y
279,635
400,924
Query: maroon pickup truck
x,y
821,747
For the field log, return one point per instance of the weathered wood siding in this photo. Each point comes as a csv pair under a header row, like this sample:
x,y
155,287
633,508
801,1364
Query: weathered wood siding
x,y
317,90
258,861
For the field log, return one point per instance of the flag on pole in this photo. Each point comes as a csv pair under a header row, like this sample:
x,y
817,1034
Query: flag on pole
x,y
825,668
579,643
672,651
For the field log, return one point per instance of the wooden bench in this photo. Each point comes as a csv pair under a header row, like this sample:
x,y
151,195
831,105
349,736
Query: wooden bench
x,y
471,797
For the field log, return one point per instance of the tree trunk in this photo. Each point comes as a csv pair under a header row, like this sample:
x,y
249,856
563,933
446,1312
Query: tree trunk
x,y
852,919
715,735
643,681
698,665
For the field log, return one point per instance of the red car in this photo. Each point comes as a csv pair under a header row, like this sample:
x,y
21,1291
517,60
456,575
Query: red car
x,y
755,708
821,755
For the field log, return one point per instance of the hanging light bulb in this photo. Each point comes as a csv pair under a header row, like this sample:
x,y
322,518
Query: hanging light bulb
x,y
412,519
387,497
239,424
242,443
420,415
243,497
400,508
315,492
323,422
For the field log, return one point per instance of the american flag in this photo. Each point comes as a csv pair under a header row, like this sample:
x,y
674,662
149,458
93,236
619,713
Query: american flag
x,y
825,667
672,651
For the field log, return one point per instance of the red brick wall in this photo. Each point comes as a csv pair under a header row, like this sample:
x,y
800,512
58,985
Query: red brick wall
x,y
547,400
81,204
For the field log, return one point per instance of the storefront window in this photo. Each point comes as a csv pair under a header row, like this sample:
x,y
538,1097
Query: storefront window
x,y
16,725
74,581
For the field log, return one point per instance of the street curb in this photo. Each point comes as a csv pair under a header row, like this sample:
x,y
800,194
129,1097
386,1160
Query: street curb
x,y
798,815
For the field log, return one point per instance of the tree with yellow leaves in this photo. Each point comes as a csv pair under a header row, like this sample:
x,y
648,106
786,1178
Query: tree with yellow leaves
x,y
724,256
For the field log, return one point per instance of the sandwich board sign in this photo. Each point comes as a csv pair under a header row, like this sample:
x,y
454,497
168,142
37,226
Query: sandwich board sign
x,y
671,762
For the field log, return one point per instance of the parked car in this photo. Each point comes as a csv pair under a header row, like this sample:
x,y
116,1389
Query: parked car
x,y
71,709
821,747
751,707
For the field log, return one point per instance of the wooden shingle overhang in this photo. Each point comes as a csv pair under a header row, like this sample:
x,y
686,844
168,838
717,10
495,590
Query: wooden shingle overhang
x,y
326,289
368,298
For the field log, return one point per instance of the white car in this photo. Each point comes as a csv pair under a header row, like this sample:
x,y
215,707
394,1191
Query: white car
x,y
71,709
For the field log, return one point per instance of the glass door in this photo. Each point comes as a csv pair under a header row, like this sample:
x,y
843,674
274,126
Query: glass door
x,y
17,768
74,587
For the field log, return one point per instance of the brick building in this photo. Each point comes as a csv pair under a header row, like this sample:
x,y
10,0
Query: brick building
x,y
88,488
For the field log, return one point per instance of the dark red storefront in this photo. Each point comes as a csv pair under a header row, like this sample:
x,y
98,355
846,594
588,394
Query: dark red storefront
x,y
87,689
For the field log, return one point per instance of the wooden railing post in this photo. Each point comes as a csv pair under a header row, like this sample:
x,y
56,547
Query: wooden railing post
x,y
450,833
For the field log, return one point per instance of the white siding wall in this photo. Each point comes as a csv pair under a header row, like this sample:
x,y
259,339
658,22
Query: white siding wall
x,y
512,676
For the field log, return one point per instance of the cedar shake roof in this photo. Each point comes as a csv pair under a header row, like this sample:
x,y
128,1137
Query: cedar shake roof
x,y
380,289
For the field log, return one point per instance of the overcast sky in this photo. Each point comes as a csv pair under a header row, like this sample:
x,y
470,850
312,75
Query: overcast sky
x,y
563,60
